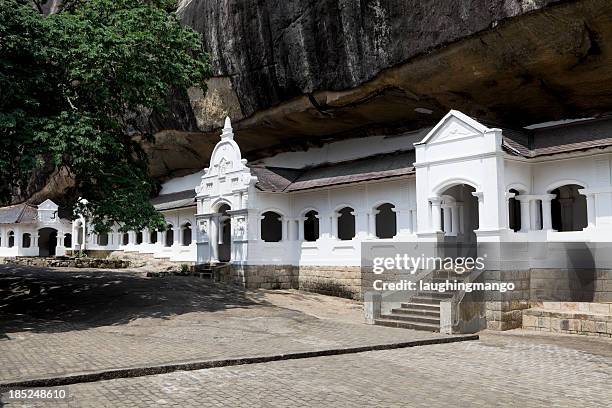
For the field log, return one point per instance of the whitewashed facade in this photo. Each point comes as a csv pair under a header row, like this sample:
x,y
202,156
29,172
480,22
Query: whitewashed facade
x,y
463,177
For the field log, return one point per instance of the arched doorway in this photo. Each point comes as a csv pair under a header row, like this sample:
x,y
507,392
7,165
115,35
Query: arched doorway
x,y
225,233
47,241
459,220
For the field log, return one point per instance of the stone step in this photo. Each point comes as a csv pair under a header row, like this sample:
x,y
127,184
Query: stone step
x,y
427,300
415,310
405,325
421,306
413,318
443,280
436,295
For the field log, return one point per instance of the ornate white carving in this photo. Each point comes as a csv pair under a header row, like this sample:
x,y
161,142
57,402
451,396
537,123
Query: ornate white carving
x,y
226,161
240,226
204,226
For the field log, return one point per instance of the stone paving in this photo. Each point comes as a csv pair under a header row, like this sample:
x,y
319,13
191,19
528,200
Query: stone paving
x,y
55,323
499,370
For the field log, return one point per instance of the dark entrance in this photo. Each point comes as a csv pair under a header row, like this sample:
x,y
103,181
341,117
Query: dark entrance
x,y
47,241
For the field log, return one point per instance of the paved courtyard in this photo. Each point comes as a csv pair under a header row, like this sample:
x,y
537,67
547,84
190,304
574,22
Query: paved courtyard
x,y
56,323
498,370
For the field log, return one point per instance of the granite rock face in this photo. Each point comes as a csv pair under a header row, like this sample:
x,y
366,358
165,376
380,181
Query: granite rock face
x,y
275,50
291,73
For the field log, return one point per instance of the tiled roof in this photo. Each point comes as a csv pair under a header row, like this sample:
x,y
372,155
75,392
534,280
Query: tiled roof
x,y
274,179
377,167
180,199
18,214
517,149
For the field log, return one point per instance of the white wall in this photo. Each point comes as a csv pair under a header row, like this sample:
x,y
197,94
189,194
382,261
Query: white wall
x,y
345,150
328,249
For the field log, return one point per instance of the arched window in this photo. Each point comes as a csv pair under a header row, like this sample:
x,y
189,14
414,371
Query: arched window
x,y
568,209
26,240
138,237
169,235
153,237
514,211
386,221
68,240
271,227
346,224
11,239
103,239
186,231
126,238
311,226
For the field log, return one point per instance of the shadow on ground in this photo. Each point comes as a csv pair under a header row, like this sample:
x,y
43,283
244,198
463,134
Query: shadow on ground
x,y
46,300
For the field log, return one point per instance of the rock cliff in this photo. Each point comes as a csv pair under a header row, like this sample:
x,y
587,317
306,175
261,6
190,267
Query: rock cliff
x,y
291,73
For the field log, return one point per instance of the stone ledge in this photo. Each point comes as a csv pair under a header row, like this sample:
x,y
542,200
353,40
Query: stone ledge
x,y
568,321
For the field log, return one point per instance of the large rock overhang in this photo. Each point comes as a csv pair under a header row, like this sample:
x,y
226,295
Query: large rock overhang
x,y
514,67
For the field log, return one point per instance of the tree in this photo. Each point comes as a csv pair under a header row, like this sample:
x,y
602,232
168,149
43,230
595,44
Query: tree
x,y
73,86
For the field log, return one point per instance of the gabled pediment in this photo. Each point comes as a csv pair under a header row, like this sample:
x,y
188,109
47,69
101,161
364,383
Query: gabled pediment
x,y
227,169
454,126
48,205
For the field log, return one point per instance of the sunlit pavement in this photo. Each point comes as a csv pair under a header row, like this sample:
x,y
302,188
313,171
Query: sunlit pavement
x,y
60,323
91,320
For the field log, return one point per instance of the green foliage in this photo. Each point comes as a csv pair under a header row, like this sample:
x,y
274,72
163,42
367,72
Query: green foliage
x,y
72,85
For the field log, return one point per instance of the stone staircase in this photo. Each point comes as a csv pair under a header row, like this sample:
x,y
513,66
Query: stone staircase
x,y
422,312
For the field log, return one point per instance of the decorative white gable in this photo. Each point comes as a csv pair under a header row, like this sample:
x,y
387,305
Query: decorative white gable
x,y
454,126
228,178
48,212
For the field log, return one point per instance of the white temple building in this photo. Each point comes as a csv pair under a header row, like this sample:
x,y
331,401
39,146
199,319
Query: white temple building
x,y
299,219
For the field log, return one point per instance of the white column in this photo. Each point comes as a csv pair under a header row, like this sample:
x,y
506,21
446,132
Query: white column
x,y
447,227
546,211
591,208
481,215
301,228
17,237
334,225
455,219
508,197
371,223
290,234
525,217
146,236
435,213
3,238
214,238
160,238
284,236
591,215
410,220
534,214
177,236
